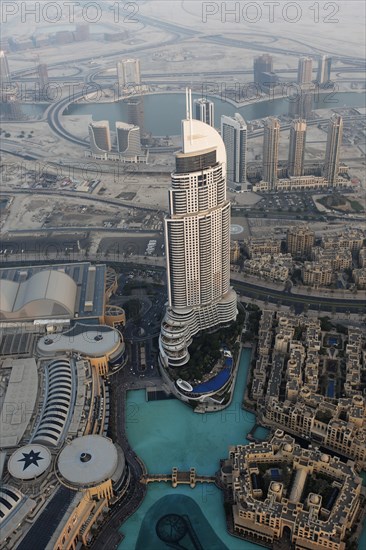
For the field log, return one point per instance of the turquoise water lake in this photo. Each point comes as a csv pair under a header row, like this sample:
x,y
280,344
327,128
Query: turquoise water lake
x,y
168,433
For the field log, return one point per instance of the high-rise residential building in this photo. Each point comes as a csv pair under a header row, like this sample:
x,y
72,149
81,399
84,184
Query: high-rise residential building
x,y
305,70
297,148
4,69
42,70
334,142
204,111
100,138
135,112
270,150
197,241
128,74
234,133
262,64
300,240
128,140
301,104
324,69
82,32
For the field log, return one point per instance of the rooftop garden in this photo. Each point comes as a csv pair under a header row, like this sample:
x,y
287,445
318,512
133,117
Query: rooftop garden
x,y
205,351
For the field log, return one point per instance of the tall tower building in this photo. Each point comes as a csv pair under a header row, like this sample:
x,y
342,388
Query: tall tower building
x,y
43,80
234,133
334,142
204,111
324,69
135,112
82,32
128,74
297,148
305,70
128,140
100,138
4,69
262,64
301,104
197,241
270,150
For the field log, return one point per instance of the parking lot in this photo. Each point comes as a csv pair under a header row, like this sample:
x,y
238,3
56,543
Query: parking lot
x,y
287,202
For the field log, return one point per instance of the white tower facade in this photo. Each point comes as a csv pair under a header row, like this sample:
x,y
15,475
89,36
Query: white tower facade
x,y
128,140
128,73
324,69
197,240
100,138
204,111
234,133
297,148
270,150
334,142
305,70
4,68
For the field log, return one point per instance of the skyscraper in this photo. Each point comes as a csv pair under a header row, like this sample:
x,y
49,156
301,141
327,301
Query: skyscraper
x,y
297,148
82,32
262,64
128,74
204,111
4,69
234,133
270,150
128,140
301,104
197,240
100,138
334,142
324,69
44,91
305,70
135,112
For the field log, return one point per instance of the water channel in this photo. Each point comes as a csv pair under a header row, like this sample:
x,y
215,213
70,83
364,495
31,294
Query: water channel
x,y
163,112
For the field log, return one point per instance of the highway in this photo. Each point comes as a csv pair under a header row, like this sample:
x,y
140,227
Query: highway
x,y
299,301
253,291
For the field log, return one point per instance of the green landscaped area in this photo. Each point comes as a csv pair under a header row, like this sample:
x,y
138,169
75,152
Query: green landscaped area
x,y
341,203
205,351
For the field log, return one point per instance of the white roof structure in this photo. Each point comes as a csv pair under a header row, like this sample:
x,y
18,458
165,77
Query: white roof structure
x,y
29,462
20,400
198,136
14,507
88,461
90,340
46,293
57,402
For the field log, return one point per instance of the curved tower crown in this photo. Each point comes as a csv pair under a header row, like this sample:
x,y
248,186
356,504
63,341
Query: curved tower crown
x,y
197,238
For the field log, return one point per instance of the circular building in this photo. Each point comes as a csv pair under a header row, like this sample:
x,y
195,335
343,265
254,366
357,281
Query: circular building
x,y
29,462
88,461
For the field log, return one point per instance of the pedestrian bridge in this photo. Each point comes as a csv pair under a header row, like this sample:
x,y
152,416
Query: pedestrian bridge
x,y
179,478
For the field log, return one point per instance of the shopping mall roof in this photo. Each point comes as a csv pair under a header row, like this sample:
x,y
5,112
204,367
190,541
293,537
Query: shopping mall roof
x,y
19,401
29,462
88,460
90,340
52,291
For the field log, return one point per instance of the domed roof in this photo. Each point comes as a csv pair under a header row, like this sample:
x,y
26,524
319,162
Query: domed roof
x,y
276,487
88,460
314,499
29,462
324,458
